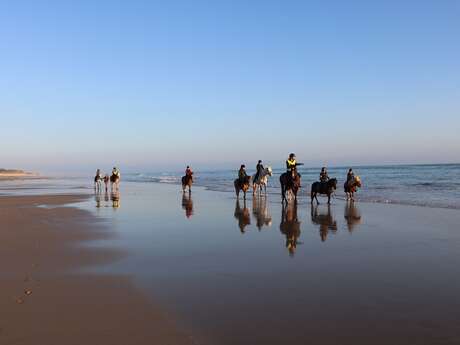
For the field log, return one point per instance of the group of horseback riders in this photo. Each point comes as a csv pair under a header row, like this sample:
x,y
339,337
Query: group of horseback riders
x,y
114,179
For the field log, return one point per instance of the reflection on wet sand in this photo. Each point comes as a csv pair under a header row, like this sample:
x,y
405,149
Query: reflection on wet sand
x,y
325,220
290,226
243,215
187,204
352,215
114,199
261,212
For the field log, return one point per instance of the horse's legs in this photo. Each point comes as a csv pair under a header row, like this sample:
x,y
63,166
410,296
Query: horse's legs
x,y
329,199
316,198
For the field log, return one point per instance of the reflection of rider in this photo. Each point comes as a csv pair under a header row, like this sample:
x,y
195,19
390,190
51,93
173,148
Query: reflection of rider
x,y
290,226
242,175
325,221
323,176
259,170
189,172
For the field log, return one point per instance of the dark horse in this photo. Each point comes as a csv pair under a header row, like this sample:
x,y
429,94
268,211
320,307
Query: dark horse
x,y
242,186
289,182
326,188
187,181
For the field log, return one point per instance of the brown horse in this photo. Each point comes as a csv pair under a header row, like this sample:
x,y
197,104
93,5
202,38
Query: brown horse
x,y
326,188
289,182
351,187
242,186
187,181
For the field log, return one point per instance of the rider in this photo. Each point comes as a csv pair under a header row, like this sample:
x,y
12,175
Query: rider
x,y
291,163
259,170
98,174
116,172
189,172
242,175
350,175
323,176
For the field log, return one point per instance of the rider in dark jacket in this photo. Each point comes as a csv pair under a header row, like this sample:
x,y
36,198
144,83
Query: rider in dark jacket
x,y
323,176
259,170
242,175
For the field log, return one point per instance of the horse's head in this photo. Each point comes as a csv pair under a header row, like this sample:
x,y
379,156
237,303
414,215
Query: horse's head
x,y
269,171
357,181
333,183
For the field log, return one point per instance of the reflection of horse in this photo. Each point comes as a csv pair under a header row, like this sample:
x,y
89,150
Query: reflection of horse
x,y
187,204
115,181
290,181
187,181
352,216
115,197
243,215
261,212
290,226
326,188
242,186
261,181
325,221
98,198
351,187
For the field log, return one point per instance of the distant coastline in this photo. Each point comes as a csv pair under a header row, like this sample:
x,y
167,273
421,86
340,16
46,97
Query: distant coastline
x,y
16,173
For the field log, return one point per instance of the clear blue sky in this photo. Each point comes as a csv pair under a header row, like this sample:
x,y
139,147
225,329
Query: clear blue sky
x,y
158,84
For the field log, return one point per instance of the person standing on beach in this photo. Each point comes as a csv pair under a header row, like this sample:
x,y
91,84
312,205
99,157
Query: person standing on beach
x,y
259,170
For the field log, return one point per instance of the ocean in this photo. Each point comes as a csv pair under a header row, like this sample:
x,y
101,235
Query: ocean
x,y
434,185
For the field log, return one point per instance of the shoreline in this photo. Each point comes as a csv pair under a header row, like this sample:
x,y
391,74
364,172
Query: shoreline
x,y
43,299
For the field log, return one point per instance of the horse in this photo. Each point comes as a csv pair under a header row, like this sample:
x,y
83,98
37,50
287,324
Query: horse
x,y
326,188
97,182
351,187
262,180
289,182
242,186
115,180
187,181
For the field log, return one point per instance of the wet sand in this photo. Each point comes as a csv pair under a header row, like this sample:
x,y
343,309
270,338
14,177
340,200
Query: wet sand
x,y
150,265
257,273
44,300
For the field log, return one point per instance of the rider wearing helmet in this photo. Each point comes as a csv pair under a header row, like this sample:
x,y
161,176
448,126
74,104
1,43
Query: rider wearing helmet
x,y
350,175
323,176
291,163
189,172
116,172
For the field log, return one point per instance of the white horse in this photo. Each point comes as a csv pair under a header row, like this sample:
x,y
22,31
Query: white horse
x,y
262,180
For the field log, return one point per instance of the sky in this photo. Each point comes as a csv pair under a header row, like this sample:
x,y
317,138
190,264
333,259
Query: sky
x,y
152,85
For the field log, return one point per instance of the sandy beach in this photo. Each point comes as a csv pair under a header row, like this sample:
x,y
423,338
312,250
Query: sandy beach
x,y
152,265
44,301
